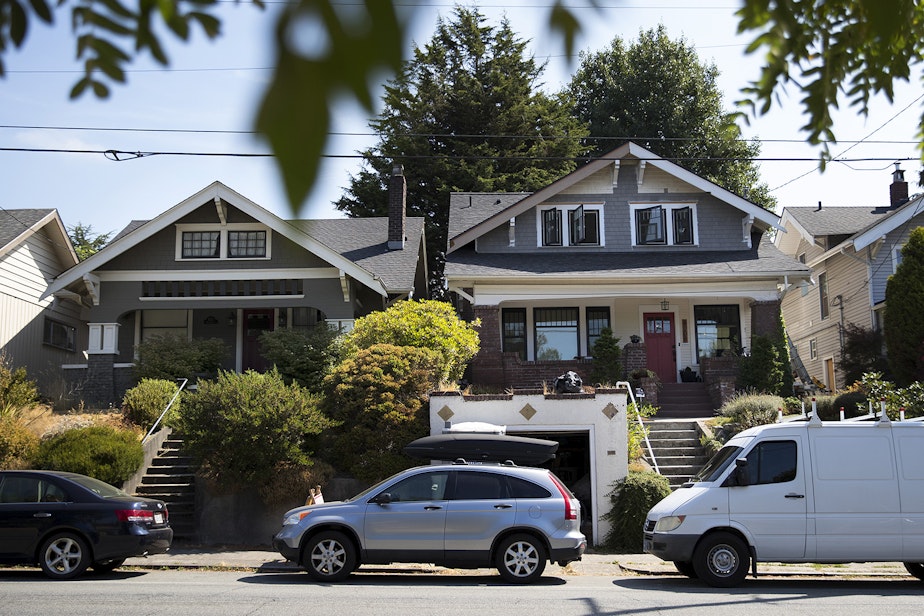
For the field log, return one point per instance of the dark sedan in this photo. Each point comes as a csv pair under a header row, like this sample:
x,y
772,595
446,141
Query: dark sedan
x,y
66,522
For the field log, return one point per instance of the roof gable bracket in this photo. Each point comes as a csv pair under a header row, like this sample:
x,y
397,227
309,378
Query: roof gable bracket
x,y
345,287
615,174
746,223
91,281
640,177
512,232
222,208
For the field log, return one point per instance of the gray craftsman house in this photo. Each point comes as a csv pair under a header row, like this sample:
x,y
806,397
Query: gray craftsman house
x,y
217,265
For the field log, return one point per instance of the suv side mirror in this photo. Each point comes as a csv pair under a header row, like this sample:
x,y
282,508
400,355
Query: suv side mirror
x,y
382,499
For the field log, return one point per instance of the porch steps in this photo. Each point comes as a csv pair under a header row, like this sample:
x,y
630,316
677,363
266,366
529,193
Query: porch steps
x,y
676,448
172,479
684,401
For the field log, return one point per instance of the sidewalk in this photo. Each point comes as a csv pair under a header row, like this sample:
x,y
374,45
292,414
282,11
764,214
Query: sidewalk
x,y
613,565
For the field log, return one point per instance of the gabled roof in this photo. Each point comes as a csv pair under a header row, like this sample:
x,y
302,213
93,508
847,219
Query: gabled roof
x,y
897,218
461,235
762,261
16,226
812,222
355,251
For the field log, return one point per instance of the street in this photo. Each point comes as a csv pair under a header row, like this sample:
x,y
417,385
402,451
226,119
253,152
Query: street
x,y
25,592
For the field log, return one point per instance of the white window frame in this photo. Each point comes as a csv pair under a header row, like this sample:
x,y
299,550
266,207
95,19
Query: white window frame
x,y
896,257
669,209
223,243
564,212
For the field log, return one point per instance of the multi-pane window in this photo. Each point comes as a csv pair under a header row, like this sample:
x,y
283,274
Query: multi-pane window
x,y
60,335
163,323
556,332
597,320
823,294
201,245
718,330
664,225
813,348
246,244
581,226
514,331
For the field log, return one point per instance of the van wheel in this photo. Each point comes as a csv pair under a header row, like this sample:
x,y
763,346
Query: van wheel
x,y
520,559
686,568
329,557
915,569
721,559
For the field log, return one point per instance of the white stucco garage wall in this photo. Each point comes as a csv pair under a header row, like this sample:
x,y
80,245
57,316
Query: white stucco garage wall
x,y
602,416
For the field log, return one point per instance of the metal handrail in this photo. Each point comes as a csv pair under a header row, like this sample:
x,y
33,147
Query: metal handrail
x,y
638,418
169,404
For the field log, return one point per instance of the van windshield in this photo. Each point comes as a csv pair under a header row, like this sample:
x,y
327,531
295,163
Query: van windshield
x,y
714,468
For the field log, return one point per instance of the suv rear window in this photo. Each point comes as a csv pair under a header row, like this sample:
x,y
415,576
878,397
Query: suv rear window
x,y
520,488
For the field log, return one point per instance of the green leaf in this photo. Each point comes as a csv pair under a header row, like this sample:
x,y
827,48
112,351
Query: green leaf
x,y
19,22
42,10
564,22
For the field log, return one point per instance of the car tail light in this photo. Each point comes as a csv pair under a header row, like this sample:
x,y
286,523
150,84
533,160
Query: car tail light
x,y
135,515
570,505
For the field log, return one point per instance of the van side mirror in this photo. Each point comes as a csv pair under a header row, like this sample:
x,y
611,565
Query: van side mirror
x,y
742,475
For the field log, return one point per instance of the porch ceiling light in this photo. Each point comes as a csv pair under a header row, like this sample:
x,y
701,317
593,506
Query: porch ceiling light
x,y
665,305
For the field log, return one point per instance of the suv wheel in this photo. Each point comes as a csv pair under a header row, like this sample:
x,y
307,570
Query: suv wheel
x,y
520,559
329,556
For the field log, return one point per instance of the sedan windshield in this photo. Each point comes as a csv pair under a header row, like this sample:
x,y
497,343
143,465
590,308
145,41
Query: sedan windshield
x,y
714,468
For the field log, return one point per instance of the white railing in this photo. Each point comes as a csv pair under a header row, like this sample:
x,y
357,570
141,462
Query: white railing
x,y
638,418
164,412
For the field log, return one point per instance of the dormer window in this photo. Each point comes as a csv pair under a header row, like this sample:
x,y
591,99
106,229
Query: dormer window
x,y
664,225
581,225
238,241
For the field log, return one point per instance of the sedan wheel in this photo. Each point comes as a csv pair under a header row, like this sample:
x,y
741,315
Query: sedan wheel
x,y
329,557
520,559
64,556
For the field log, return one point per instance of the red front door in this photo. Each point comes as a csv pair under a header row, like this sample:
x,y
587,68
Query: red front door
x,y
255,323
659,340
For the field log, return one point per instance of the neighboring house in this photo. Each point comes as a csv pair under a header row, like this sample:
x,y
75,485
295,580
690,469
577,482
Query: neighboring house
x,y
38,332
217,265
852,251
629,241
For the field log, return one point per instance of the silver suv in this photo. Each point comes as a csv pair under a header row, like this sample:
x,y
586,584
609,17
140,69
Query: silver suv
x,y
465,516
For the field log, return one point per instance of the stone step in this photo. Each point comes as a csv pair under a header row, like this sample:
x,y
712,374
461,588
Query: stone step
x,y
170,479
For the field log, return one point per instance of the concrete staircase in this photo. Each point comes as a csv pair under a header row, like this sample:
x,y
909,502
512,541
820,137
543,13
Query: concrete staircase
x,y
684,401
676,447
171,478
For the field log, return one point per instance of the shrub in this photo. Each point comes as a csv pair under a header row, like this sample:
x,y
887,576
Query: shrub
x,y
17,444
427,324
172,357
862,353
854,404
16,390
379,396
824,405
748,409
910,398
104,452
303,356
903,327
240,427
762,370
607,366
636,431
631,499
144,403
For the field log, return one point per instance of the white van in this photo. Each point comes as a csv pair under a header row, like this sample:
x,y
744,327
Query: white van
x,y
825,492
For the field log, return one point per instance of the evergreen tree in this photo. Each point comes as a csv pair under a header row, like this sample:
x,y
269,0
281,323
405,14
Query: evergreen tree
x,y
904,328
658,93
464,114
86,242
607,366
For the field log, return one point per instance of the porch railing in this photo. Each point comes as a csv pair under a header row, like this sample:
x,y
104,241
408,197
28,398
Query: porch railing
x,y
638,418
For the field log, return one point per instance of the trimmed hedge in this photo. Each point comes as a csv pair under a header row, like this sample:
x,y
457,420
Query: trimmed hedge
x,y
103,452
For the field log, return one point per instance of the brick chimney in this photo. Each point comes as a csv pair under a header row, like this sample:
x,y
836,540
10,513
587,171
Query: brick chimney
x,y
898,191
397,208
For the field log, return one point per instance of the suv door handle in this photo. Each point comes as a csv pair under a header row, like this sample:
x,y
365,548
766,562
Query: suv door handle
x,y
41,515
432,508
503,506
795,496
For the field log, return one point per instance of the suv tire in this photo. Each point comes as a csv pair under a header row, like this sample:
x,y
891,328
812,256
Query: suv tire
x,y
520,559
329,556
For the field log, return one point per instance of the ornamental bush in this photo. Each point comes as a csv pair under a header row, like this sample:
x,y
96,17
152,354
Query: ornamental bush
x,y
106,453
748,409
631,498
240,427
16,390
172,357
427,324
18,445
303,355
144,403
379,397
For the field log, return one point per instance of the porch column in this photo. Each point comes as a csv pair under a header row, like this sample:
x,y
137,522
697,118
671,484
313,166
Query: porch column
x,y
488,365
101,358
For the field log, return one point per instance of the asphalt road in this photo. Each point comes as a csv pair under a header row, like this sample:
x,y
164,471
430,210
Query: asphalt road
x,y
25,592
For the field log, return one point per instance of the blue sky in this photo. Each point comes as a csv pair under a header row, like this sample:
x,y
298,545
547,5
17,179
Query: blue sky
x,y
207,100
